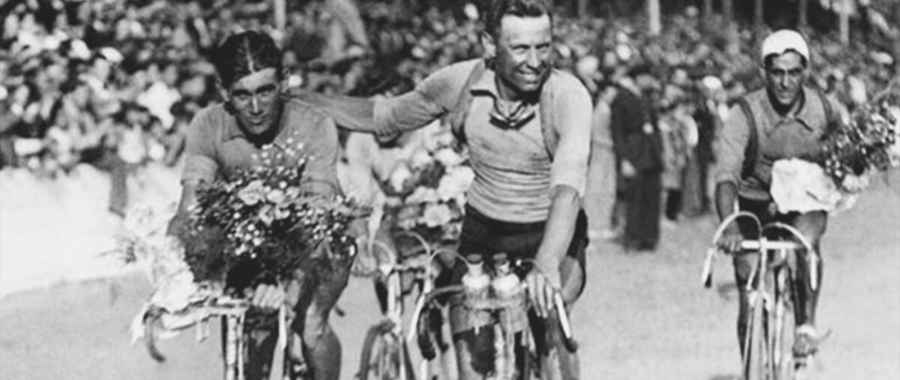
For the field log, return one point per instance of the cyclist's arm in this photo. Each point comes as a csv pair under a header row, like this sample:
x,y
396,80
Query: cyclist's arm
x,y
729,148
568,176
564,208
726,195
199,166
323,149
179,222
431,99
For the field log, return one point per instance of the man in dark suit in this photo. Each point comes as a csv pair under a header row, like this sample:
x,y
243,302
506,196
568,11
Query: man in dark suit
x,y
638,149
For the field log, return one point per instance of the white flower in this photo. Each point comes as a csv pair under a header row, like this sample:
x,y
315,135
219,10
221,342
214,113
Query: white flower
x,y
422,195
420,158
445,138
894,151
455,182
436,215
253,193
276,197
855,184
175,292
447,157
266,214
399,176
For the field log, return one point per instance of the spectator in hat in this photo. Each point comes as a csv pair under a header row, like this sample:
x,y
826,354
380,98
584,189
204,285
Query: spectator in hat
x,y
638,148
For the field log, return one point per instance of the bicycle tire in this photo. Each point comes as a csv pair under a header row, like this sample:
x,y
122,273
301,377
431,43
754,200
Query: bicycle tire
x,y
755,347
384,356
784,329
526,356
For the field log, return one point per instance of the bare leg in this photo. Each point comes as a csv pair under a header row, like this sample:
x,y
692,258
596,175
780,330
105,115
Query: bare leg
x,y
812,225
322,348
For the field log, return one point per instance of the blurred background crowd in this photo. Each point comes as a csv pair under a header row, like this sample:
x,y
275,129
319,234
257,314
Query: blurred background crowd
x,y
114,84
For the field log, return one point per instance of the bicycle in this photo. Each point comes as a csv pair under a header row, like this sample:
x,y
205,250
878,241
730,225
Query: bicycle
x,y
234,328
767,348
385,353
503,308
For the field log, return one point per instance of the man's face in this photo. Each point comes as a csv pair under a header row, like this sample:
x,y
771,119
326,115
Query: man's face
x,y
523,53
785,77
255,101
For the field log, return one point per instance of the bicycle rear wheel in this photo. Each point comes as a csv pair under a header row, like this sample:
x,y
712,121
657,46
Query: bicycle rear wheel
x,y
384,356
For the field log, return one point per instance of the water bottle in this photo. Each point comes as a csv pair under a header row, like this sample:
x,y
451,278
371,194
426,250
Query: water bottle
x,y
476,285
512,316
508,290
475,281
505,284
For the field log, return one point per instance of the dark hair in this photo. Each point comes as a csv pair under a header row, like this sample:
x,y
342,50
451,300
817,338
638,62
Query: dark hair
x,y
245,53
497,9
767,61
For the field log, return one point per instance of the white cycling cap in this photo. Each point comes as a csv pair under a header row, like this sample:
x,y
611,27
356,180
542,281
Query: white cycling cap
x,y
783,41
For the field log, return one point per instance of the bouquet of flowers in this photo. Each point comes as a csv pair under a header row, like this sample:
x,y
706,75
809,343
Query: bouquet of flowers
x,y
851,154
263,214
864,146
432,189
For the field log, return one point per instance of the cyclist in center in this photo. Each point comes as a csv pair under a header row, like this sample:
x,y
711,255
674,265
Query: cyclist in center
x,y
784,120
528,130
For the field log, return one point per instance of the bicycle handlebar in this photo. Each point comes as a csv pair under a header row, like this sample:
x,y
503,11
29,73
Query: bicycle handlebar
x,y
762,244
496,304
766,245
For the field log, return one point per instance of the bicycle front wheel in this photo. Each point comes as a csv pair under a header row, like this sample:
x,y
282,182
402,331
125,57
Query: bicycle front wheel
x,y
784,328
756,346
384,356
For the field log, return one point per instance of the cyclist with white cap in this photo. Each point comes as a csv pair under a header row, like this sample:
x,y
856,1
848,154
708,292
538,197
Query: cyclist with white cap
x,y
783,120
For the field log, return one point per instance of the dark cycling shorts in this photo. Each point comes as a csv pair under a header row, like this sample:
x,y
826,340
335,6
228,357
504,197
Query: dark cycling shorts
x,y
812,225
486,236
767,212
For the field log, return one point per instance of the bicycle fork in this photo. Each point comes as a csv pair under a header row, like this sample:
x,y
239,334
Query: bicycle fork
x,y
234,346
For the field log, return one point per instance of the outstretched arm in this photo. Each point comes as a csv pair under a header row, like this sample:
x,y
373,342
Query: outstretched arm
x,y
431,99
355,114
385,117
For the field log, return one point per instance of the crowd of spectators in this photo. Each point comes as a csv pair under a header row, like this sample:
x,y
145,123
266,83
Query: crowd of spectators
x,y
115,83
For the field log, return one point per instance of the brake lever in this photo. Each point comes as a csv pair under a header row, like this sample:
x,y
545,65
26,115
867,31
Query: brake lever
x,y
564,323
707,274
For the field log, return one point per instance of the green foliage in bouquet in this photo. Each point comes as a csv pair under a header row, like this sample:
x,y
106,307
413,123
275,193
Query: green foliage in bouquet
x,y
267,214
852,150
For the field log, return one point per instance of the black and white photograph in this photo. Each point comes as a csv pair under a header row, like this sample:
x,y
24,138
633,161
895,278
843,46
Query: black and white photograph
x,y
450,189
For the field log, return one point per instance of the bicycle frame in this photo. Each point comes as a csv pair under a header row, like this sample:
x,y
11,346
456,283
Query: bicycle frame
x,y
233,318
391,270
233,313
